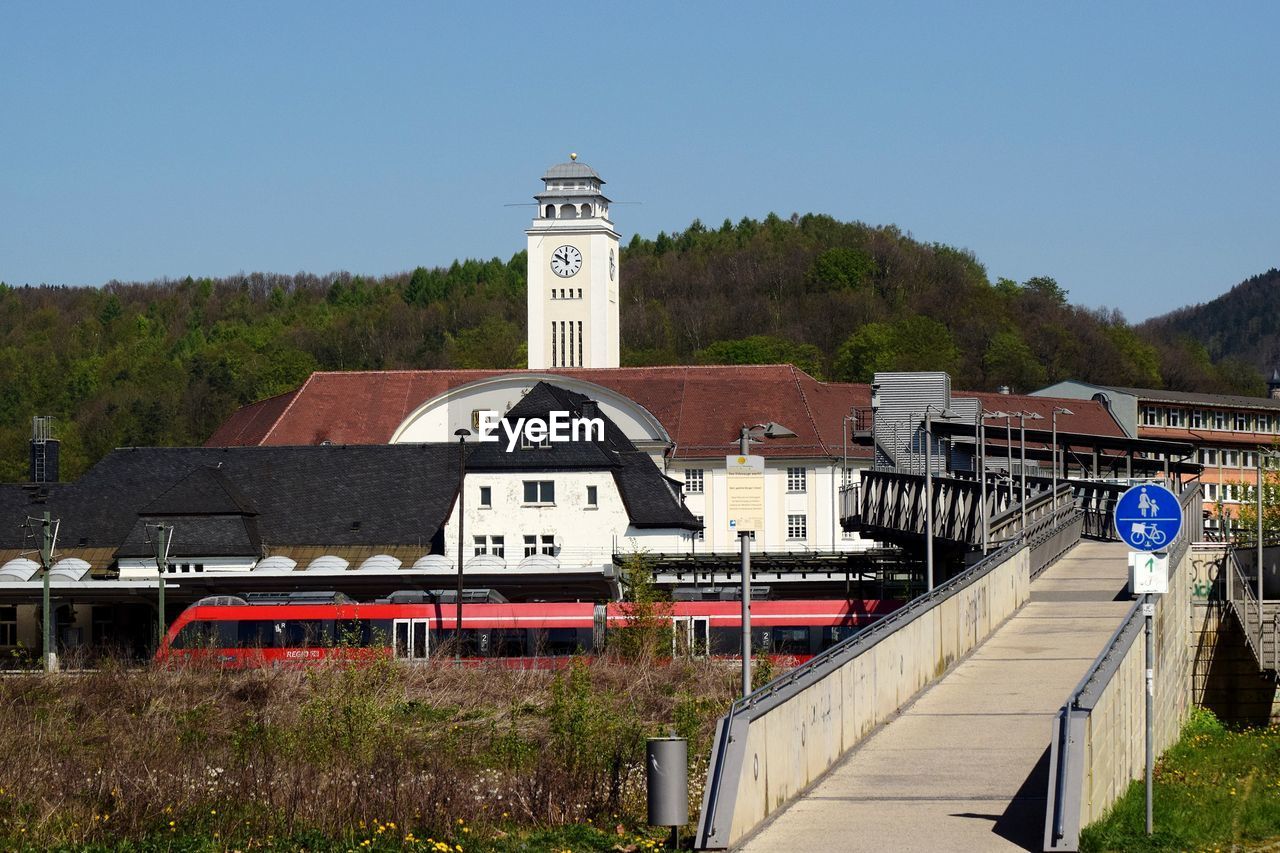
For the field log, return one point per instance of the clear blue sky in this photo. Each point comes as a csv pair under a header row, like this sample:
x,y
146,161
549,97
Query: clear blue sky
x,y
1129,150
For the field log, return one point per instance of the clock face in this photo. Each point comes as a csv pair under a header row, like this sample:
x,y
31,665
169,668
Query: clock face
x,y
612,266
566,261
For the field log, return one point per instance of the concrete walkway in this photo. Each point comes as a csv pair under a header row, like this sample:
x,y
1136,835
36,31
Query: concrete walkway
x,y
965,767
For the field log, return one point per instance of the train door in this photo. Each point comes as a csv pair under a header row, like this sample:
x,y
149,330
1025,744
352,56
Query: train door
x,y
411,639
690,636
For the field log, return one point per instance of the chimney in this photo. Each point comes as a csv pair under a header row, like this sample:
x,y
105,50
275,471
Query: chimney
x,y
590,409
43,456
1003,389
1273,385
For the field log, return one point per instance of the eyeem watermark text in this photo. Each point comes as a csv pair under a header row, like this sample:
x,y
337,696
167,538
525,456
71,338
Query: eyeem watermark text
x,y
557,427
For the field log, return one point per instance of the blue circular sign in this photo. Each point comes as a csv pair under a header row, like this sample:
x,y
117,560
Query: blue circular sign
x,y
1148,517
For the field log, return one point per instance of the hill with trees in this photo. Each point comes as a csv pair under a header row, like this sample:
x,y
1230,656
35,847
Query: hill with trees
x,y
1241,325
164,362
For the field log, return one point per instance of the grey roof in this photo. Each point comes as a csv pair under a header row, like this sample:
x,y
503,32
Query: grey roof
x,y
228,501
572,169
1157,395
317,495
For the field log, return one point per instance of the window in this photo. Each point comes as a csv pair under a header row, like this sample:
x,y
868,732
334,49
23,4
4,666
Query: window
x,y
797,526
526,444
693,481
1177,417
1231,458
1150,416
1249,459
548,544
9,625
542,492
1211,491
1241,422
486,497
593,495
530,545
1219,420
1208,456
1197,419
494,545
699,534
795,479
1264,423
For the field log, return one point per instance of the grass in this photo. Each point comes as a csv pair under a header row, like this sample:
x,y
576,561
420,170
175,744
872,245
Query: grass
x,y
1217,789
382,757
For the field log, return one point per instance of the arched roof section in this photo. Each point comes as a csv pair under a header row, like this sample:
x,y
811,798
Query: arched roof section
x,y
438,418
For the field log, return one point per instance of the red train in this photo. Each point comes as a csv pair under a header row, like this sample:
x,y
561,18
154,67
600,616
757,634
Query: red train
x,y
266,630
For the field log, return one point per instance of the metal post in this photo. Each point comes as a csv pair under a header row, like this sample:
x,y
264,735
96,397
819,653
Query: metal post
x,y
462,491
928,503
982,480
46,562
1260,607
1022,440
163,536
1008,429
1148,609
744,543
1054,463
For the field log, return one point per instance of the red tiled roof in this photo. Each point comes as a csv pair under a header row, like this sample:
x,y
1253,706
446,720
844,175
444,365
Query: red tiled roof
x,y
701,407
1087,416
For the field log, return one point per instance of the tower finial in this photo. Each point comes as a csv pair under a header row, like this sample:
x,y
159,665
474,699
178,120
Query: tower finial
x,y
573,155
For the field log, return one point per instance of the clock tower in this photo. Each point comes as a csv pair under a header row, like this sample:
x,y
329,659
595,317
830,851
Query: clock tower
x,y
573,272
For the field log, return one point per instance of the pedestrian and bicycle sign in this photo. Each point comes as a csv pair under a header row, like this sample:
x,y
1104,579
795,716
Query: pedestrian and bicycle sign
x,y
1148,517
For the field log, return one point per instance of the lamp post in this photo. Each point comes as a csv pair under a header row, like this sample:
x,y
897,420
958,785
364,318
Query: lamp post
x,y
164,538
767,430
462,491
1022,441
1057,410
928,489
982,484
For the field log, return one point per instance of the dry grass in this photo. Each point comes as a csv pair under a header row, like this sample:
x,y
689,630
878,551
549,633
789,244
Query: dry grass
x,y
128,753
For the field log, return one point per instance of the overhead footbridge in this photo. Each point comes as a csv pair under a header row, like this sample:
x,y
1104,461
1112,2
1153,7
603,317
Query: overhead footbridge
x,y
943,725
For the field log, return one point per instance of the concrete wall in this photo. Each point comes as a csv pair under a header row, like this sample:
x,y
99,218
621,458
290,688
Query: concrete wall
x,y
1115,734
1102,748
1225,677
790,742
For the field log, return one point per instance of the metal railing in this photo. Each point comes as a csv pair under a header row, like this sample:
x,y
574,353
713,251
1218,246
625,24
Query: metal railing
x,y
1066,759
1052,536
1261,624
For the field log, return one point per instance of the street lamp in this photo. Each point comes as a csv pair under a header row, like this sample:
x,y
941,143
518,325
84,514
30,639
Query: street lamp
x,y
1057,410
462,491
982,477
945,414
764,430
1022,440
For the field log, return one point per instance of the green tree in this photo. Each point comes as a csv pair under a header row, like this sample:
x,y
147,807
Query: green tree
x,y
764,349
1009,361
842,269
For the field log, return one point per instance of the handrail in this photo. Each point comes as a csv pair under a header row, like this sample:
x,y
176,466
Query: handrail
x,y
1063,761
770,695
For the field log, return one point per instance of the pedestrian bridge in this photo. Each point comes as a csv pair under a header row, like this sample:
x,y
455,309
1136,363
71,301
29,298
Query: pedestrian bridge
x,y
944,725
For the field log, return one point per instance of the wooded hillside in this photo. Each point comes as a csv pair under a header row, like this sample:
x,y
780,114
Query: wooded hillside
x,y
163,363
1242,324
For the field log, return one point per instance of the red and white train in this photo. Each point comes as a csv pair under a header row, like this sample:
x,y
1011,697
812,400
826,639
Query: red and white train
x,y
255,631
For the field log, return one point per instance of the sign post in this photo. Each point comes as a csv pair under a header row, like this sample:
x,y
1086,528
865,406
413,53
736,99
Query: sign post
x,y
745,502
1148,517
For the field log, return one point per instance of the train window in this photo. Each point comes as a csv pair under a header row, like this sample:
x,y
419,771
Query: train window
x,y
562,641
726,641
349,632
304,633
257,634
206,635
509,643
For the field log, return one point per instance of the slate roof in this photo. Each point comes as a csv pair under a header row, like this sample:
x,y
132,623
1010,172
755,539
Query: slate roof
x,y
700,406
572,169
1234,401
230,501
301,495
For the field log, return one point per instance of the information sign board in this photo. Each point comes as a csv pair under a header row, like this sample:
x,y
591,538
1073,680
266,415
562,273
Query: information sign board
x,y
1150,573
745,493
